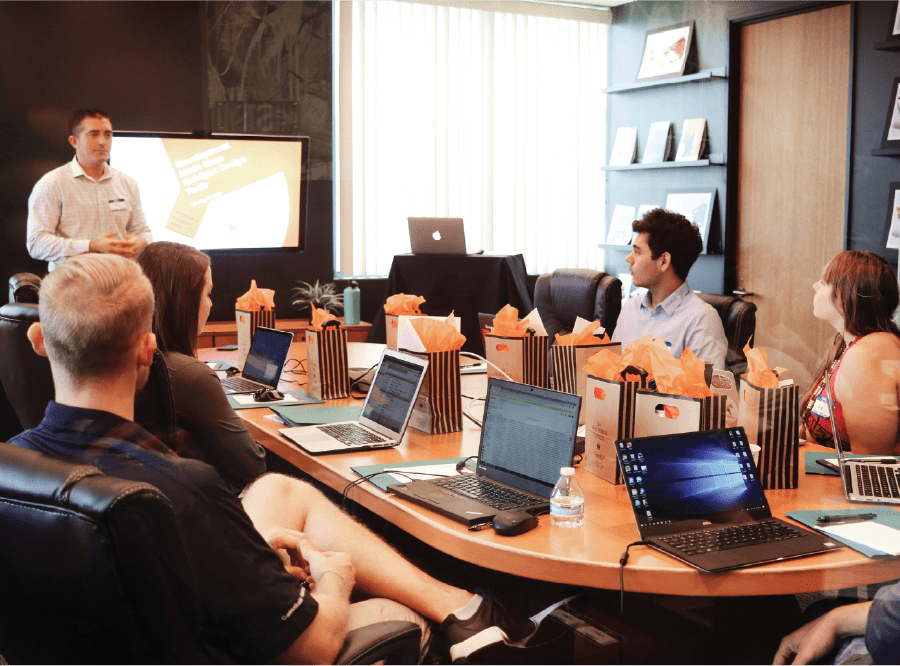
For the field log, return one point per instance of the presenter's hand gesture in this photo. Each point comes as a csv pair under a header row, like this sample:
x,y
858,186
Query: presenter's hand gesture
x,y
111,243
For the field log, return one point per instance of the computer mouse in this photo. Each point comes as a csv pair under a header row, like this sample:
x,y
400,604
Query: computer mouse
x,y
268,395
514,521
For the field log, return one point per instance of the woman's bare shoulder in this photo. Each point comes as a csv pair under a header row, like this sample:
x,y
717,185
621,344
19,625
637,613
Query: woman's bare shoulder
x,y
879,343
870,355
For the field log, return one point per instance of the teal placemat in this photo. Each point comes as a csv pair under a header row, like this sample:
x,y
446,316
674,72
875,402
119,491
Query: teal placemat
x,y
303,397
886,516
316,415
219,366
382,481
812,467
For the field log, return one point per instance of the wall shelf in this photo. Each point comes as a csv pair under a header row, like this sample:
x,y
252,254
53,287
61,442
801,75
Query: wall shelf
x,y
889,45
884,152
717,73
715,159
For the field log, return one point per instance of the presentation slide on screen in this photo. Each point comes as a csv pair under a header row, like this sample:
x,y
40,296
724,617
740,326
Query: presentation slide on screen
x,y
216,194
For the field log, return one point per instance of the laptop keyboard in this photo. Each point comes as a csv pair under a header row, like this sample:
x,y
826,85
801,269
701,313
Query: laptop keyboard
x,y
350,434
735,536
483,490
876,481
241,384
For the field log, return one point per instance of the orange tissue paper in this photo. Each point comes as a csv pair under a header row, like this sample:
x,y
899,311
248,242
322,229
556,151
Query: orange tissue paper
x,y
585,337
256,299
320,318
403,304
684,376
606,364
437,335
758,371
507,323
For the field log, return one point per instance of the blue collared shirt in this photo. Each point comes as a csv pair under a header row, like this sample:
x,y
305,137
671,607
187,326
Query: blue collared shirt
x,y
683,320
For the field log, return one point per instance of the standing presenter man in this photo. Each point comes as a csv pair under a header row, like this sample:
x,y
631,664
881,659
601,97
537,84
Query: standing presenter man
x,y
86,205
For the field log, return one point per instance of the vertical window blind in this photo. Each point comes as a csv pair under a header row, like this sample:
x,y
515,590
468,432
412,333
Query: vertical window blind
x,y
493,117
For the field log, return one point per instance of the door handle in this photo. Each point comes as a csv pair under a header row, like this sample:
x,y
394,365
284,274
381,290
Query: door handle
x,y
742,293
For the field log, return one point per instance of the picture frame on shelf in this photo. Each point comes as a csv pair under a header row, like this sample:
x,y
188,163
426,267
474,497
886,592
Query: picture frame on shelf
x,y
696,205
894,34
891,138
892,225
667,52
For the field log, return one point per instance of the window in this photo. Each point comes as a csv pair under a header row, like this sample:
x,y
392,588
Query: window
x,y
493,117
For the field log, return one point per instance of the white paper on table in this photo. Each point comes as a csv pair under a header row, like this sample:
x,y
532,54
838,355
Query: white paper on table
x,y
247,399
534,321
581,324
868,533
423,472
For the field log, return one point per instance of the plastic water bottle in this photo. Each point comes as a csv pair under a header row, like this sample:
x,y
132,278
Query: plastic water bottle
x,y
351,304
567,501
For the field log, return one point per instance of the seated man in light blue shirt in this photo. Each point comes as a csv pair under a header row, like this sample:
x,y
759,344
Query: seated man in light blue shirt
x,y
666,247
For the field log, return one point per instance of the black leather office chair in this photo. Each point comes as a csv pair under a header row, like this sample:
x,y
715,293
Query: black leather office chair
x,y
96,572
28,382
739,320
567,293
24,288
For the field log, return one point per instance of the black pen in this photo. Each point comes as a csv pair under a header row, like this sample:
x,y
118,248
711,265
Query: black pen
x,y
846,518
883,461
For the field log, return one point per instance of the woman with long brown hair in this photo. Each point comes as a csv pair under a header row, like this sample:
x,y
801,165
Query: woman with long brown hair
x,y
858,295
182,284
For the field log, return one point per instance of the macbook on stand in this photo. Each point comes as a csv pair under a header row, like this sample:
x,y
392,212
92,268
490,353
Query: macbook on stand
x,y
265,361
864,481
527,436
696,496
437,235
384,416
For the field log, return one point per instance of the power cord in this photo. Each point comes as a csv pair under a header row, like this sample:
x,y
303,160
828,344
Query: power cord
x,y
461,465
484,360
622,562
358,382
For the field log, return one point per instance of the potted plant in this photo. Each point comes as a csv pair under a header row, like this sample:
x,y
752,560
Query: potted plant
x,y
322,296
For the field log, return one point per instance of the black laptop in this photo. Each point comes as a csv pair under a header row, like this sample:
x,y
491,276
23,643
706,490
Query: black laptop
x,y
696,496
527,436
265,361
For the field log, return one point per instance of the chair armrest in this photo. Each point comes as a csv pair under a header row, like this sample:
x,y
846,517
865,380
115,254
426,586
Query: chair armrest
x,y
395,642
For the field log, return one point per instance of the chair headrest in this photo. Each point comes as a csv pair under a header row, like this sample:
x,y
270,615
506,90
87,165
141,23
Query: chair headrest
x,y
20,312
24,288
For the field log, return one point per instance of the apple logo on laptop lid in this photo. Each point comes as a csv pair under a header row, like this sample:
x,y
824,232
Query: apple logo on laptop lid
x,y
436,235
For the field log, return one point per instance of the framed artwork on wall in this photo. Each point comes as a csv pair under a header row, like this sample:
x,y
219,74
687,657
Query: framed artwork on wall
x,y
891,137
667,52
895,29
696,205
893,218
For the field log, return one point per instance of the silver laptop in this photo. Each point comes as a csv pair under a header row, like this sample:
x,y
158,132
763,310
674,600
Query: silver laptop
x,y
265,361
384,416
437,235
864,481
527,436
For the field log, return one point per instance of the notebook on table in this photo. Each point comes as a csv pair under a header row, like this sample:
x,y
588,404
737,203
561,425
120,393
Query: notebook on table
x,y
265,361
864,481
527,435
437,235
385,412
696,496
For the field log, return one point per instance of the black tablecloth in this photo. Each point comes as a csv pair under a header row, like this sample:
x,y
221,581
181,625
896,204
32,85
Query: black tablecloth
x,y
464,284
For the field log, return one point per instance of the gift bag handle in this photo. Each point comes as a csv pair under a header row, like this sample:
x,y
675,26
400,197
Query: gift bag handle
x,y
334,322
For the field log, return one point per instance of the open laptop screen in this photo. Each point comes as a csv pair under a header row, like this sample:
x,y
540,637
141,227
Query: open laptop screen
x,y
267,355
393,391
686,481
528,435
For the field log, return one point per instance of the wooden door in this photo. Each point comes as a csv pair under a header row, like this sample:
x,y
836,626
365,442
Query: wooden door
x,y
794,86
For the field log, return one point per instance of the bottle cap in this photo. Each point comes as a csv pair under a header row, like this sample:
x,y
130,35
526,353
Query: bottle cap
x,y
353,283
567,471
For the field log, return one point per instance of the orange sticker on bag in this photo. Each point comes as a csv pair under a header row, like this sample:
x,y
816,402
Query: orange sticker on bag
x,y
393,323
242,319
311,339
502,349
599,393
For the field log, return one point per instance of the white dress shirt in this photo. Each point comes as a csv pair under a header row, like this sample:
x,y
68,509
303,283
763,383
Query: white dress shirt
x,y
67,209
683,320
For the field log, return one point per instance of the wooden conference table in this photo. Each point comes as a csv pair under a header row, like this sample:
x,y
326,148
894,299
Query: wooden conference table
x,y
586,556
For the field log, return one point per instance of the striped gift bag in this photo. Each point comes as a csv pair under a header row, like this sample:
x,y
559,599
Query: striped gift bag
x,y
328,374
771,419
524,359
567,367
438,408
666,414
609,416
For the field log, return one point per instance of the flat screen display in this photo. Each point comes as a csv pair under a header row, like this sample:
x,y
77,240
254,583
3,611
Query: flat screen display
x,y
222,192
